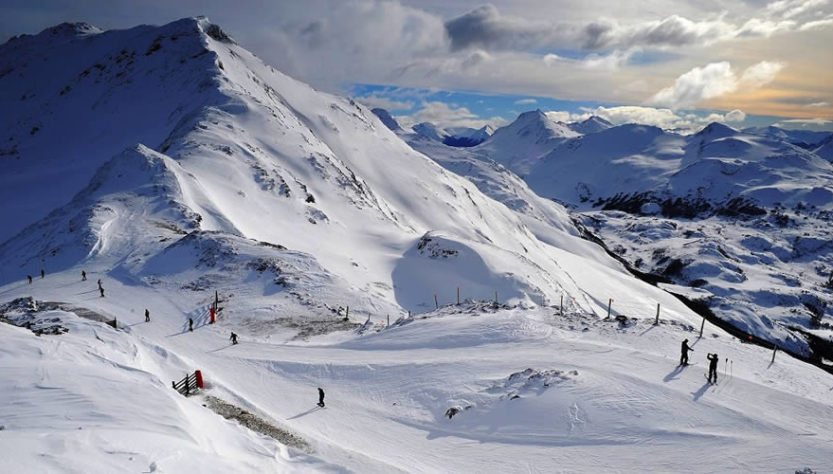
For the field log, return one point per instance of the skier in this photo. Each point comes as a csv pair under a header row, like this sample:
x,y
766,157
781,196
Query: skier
x,y
101,289
83,275
320,397
684,352
30,278
191,324
233,338
42,273
147,315
713,359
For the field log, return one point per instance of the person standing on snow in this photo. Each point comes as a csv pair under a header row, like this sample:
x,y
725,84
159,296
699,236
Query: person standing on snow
x,y
713,359
191,324
320,397
684,352
42,273
30,278
83,275
147,315
233,338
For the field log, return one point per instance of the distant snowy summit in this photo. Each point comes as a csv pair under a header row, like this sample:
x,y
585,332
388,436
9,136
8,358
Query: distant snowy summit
x,y
462,137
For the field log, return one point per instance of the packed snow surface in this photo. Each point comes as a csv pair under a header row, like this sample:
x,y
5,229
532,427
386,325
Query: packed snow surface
x,y
533,389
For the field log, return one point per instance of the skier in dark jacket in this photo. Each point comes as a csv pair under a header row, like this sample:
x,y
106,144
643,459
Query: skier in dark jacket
x,y
30,278
320,397
190,324
713,358
147,315
233,338
83,275
684,352
42,273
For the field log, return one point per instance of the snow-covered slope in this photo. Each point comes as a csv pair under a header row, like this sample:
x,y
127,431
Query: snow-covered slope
x,y
746,217
248,166
242,150
533,389
825,149
519,145
466,136
742,218
590,125
804,138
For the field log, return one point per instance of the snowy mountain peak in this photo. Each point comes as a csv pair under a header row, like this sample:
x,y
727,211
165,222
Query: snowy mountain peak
x,y
429,130
387,119
535,126
519,145
716,130
592,124
70,29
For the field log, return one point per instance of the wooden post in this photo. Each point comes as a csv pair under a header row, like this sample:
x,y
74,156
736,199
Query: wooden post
x,y
702,323
609,303
656,321
458,295
436,303
774,350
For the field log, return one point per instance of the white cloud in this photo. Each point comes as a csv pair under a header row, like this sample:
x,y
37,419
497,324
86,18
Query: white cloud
x,y
735,116
444,116
803,122
765,28
817,104
658,117
386,103
760,74
700,83
526,102
817,24
714,80
792,8
563,116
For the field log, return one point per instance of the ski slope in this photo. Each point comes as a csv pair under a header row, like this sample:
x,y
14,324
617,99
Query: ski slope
x,y
614,398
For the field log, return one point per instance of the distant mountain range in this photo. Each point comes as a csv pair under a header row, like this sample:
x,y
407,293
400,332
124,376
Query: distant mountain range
x,y
737,219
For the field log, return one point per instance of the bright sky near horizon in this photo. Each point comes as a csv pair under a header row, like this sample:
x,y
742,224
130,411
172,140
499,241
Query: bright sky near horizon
x,y
672,63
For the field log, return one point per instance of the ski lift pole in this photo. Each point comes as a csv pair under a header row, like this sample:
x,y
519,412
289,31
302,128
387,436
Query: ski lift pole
x,y
609,303
656,321
774,350
702,323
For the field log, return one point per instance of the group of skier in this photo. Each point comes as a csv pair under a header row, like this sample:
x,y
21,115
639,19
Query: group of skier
x,y
713,360
233,338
